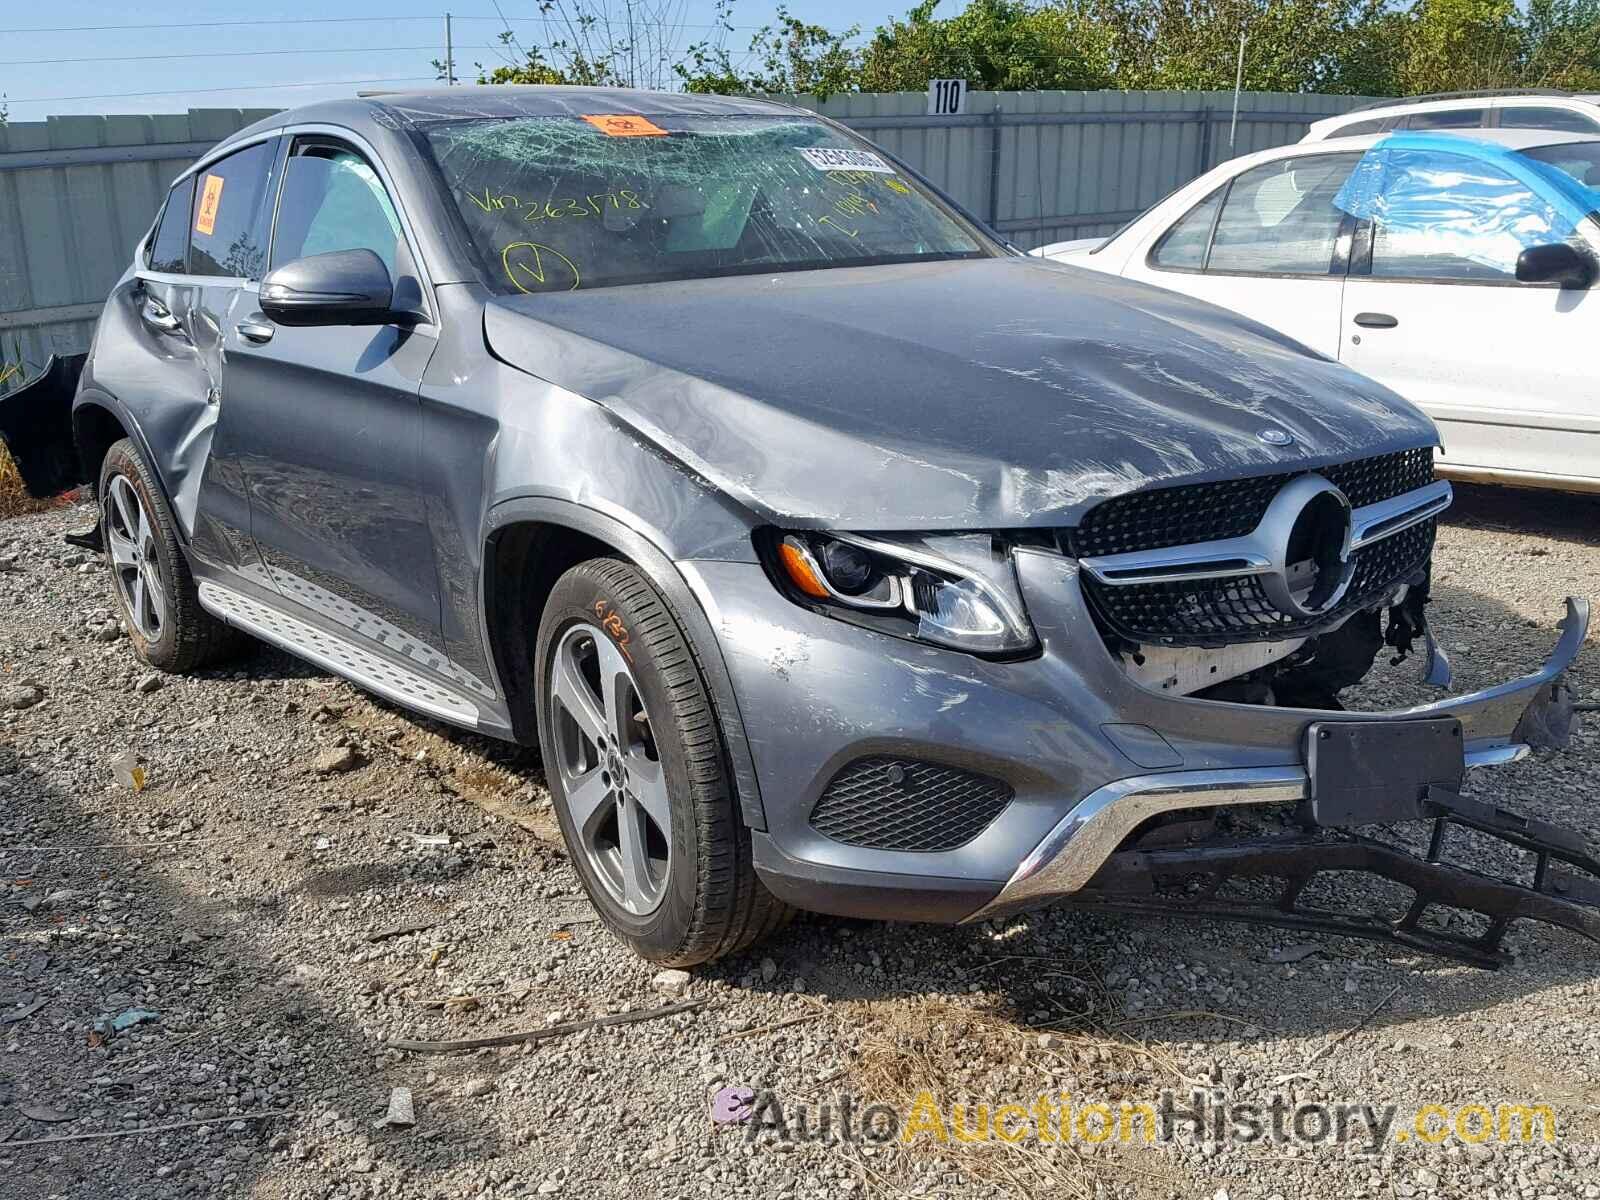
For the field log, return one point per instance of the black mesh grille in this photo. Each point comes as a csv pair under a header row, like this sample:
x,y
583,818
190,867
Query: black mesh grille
x,y
1204,512
1218,612
903,804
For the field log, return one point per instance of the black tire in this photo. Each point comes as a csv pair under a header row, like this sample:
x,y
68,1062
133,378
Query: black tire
x,y
188,637
714,904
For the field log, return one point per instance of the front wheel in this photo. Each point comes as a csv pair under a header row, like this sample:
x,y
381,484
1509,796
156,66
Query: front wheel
x,y
638,772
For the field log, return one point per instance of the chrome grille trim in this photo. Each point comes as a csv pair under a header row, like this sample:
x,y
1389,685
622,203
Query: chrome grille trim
x,y
1252,554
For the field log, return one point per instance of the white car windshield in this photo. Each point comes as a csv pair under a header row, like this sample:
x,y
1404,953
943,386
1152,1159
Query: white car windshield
x,y
559,203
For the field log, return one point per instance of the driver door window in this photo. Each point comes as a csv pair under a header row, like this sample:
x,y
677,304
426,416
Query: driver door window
x,y
334,200
1448,217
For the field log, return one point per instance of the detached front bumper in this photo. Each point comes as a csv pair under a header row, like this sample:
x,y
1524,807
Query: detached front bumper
x,y
1087,754
1074,851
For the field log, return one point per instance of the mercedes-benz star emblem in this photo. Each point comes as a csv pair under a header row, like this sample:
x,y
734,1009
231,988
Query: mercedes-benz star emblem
x,y
1276,437
1308,528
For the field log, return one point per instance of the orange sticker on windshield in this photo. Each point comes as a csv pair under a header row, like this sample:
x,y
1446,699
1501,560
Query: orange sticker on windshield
x,y
626,126
205,217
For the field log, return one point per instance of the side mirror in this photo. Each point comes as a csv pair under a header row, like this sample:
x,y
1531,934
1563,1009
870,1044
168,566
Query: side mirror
x,y
345,287
1557,262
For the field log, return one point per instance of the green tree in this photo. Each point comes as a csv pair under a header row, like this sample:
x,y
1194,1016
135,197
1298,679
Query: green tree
x,y
1454,45
1362,47
791,57
595,43
1002,45
1562,44
1291,45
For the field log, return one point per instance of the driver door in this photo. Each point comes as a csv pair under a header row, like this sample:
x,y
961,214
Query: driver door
x,y
326,421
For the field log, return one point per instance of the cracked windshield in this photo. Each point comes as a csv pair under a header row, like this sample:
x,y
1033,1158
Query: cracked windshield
x,y
559,203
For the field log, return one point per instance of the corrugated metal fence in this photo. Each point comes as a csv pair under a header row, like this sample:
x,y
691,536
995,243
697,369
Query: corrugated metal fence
x,y
77,192
1045,166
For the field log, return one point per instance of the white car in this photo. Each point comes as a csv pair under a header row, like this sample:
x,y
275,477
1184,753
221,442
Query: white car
x,y
1457,269
1557,112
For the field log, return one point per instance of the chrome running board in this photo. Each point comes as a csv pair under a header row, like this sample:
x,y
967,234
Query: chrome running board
x,y
340,655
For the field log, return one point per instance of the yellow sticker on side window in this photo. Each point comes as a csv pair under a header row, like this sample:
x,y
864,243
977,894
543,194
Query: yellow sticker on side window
x,y
205,216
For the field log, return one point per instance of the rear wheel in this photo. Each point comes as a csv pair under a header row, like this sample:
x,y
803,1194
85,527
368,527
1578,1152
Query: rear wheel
x,y
638,772
155,591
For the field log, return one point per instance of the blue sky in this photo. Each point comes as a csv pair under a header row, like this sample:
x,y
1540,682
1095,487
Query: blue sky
x,y
309,52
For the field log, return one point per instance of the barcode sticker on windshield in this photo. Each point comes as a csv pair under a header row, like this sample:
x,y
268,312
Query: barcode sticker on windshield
x,y
829,158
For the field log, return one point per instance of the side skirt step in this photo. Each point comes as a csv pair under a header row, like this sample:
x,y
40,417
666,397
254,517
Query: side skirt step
x,y
340,655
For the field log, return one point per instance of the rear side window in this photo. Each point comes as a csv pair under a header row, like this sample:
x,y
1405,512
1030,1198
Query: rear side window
x,y
1183,247
172,235
1450,118
1280,218
228,235
1562,120
1357,128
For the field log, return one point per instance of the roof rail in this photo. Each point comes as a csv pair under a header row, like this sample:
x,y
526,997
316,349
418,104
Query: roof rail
x,y
1482,94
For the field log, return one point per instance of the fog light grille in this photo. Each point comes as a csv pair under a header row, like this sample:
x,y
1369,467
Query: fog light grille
x,y
903,804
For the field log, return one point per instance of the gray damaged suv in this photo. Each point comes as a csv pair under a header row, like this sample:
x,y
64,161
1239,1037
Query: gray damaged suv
x,y
836,555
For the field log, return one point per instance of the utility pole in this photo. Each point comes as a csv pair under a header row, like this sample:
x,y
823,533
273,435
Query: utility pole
x,y
1238,82
449,55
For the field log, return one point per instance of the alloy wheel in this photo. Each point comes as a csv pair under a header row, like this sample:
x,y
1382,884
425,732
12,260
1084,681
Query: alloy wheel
x,y
613,783
131,540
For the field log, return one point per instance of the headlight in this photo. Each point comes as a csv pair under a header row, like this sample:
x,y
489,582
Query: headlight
x,y
956,590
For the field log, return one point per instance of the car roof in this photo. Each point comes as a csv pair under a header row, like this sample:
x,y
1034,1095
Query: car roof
x,y
1492,97
1384,109
412,108
1497,140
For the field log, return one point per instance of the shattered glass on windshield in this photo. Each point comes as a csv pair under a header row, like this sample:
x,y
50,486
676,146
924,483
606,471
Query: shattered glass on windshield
x,y
560,203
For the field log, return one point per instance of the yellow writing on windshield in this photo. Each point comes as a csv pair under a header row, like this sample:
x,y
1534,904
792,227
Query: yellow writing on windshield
x,y
592,205
532,268
490,202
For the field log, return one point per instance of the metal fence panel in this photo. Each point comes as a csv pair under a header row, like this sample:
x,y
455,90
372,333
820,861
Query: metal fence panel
x,y
77,192
1045,166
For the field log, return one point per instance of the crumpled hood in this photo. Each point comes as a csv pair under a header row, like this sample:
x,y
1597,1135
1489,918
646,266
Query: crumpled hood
x,y
992,393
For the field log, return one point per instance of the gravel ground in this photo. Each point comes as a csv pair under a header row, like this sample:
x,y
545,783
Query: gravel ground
x,y
201,951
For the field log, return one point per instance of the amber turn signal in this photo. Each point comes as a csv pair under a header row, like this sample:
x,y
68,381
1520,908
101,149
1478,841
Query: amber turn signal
x,y
802,571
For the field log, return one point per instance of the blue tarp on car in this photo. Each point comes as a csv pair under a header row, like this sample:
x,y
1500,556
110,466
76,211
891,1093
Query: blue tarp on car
x,y
1470,199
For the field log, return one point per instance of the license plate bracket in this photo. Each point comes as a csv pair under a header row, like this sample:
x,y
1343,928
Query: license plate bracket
x,y
1372,772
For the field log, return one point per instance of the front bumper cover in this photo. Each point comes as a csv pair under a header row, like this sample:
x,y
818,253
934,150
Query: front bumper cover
x,y
1086,750
1075,850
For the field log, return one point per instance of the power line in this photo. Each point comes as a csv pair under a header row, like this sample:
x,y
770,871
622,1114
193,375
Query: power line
x,y
42,62
337,21
244,87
